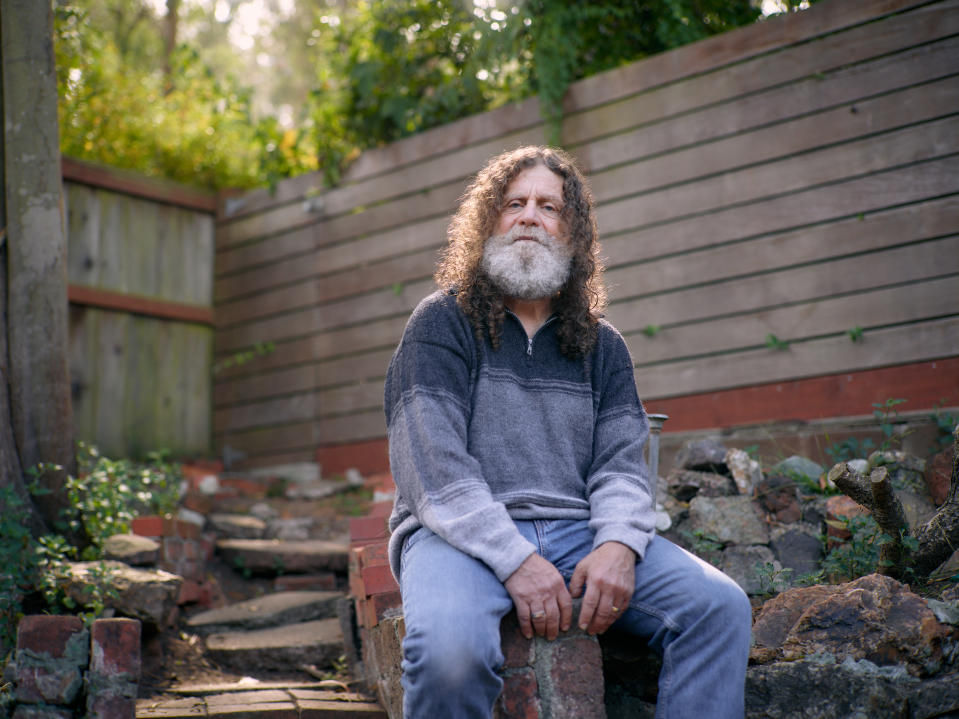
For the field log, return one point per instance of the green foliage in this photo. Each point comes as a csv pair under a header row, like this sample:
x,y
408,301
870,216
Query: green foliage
x,y
886,415
238,359
771,580
851,448
104,497
120,106
380,71
856,556
702,543
773,342
855,333
945,424
107,494
651,330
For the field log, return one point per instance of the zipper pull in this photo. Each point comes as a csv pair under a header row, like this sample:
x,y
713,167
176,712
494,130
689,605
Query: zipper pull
x,y
529,346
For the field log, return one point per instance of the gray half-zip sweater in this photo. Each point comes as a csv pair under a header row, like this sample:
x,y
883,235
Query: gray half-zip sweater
x,y
479,437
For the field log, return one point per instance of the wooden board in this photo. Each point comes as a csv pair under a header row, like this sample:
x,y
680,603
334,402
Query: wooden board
x,y
894,345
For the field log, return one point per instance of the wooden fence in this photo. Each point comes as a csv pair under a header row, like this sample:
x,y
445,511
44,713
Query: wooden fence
x,y
140,270
779,208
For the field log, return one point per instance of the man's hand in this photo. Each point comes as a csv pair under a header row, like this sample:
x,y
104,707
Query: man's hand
x,y
542,601
609,573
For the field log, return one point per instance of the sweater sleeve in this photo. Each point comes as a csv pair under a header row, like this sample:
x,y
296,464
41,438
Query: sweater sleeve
x,y
427,412
621,497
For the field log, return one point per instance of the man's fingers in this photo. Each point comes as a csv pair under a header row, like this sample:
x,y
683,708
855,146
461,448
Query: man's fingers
x,y
565,612
588,608
576,581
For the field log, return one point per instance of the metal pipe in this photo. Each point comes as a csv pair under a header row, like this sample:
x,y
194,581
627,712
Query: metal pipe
x,y
656,422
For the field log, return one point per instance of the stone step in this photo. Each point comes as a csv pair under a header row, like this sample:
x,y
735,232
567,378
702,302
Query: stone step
x,y
292,703
271,610
276,556
278,649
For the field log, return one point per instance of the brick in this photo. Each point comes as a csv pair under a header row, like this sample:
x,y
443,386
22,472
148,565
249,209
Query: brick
x,y
115,647
308,582
149,526
111,706
381,509
190,592
166,526
256,696
59,683
198,502
52,635
518,651
244,487
375,554
41,711
192,550
375,607
576,677
172,549
366,529
190,569
519,698
378,580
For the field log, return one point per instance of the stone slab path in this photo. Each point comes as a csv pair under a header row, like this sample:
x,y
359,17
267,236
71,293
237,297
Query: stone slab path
x,y
280,648
267,611
279,556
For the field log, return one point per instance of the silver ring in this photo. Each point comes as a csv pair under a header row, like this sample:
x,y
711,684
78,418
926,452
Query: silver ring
x,y
538,615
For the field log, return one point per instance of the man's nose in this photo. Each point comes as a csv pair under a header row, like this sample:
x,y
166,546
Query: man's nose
x,y
529,215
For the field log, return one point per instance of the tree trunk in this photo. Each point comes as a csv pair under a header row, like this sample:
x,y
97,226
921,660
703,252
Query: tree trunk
x,y
35,406
937,539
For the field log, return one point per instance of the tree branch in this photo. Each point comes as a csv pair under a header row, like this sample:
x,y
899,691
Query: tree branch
x,y
939,537
889,515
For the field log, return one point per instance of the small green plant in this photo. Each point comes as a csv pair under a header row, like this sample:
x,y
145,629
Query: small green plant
x,y
771,580
851,448
886,414
773,342
945,423
702,543
855,333
856,556
238,359
107,494
651,330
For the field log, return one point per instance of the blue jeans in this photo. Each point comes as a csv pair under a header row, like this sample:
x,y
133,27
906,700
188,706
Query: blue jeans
x,y
688,611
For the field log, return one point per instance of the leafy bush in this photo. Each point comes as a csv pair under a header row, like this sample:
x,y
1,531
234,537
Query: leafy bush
x,y
104,498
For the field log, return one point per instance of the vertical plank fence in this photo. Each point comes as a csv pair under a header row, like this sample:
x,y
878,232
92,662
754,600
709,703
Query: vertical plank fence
x,y
140,269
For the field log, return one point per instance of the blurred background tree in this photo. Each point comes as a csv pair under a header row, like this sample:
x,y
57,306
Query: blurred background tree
x,y
242,93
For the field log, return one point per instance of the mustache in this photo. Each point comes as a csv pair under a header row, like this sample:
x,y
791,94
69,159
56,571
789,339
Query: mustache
x,y
517,232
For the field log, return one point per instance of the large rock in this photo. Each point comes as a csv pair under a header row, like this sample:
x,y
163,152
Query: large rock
x,y
684,484
796,466
703,455
267,611
745,470
938,475
874,618
798,548
905,470
729,520
131,549
149,595
778,496
821,688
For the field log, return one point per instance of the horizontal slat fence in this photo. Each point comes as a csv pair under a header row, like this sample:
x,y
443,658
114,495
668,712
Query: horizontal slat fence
x,y
796,178
140,272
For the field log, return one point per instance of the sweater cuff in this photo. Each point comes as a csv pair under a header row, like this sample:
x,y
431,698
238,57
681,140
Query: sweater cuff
x,y
508,559
635,539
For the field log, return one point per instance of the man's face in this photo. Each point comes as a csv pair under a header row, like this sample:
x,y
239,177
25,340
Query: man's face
x,y
529,256
533,199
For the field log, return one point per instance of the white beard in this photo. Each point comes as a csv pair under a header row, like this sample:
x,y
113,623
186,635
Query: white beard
x,y
527,270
